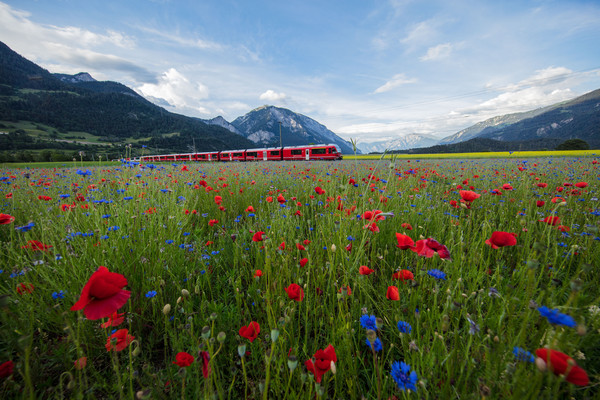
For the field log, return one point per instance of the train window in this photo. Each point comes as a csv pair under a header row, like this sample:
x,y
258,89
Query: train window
x,y
238,154
275,153
296,152
318,151
251,154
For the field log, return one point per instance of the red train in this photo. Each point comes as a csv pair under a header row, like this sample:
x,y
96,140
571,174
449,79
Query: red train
x,y
310,152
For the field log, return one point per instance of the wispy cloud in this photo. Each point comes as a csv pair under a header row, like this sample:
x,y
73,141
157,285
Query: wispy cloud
x,y
397,80
181,40
438,52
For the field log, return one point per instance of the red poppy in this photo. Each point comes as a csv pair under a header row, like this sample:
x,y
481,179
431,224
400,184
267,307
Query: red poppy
x,y
373,215
540,203
183,359
250,209
551,220
269,199
213,222
119,340
184,168
392,293
501,239
115,319
428,247
282,246
319,190
258,273
558,200
23,288
258,236
507,186
542,185
300,247
281,199
403,275
45,198
454,203
303,262
348,290
205,363
322,362
295,292
468,195
80,363
218,200
404,241
561,364
6,369
250,331
364,270
36,245
581,185
407,226
563,228
6,219
103,294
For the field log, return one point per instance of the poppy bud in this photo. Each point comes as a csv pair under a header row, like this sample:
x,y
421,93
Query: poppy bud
x,y
541,364
332,366
137,351
333,248
143,394
581,330
213,316
221,337
179,299
185,293
371,335
205,332
166,309
274,335
241,350
292,362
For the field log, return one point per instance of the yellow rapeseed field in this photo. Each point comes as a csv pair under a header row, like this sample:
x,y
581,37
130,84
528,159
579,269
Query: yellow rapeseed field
x,y
498,154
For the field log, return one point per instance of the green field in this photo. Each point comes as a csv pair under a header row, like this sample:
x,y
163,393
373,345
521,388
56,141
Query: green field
x,y
300,280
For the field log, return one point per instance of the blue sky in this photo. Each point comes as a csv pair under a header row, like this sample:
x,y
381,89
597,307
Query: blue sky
x,y
368,70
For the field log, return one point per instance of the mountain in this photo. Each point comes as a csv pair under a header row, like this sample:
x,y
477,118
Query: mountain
x,y
575,119
65,113
262,126
222,122
410,141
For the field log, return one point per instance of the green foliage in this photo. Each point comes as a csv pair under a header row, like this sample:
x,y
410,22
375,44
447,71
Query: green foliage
x,y
573,144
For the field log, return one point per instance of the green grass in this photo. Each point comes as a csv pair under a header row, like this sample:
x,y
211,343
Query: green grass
x,y
207,277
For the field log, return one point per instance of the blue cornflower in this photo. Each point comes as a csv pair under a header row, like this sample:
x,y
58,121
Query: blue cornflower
x,y
169,241
437,274
151,294
377,346
557,318
404,327
523,355
404,377
25,228
58,295
368,322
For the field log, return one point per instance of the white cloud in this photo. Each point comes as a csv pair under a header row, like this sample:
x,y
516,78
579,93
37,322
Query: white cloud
x,y
438,52
177,90
397,80
272,96
181,40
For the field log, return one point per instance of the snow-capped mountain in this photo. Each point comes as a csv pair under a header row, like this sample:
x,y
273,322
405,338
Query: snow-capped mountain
x,y
410,141
262,126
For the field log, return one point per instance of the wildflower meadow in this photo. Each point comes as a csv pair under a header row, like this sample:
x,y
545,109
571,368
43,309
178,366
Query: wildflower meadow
x,y
374,279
